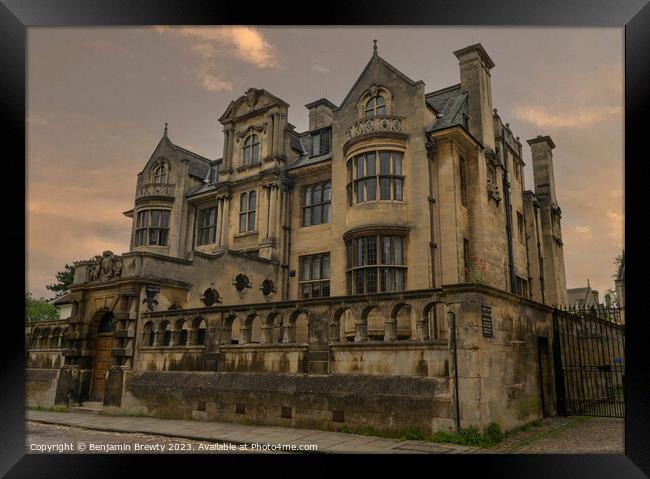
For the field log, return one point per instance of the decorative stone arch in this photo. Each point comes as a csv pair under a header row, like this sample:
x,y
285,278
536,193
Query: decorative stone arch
x,y
181,334
197,332
291,333
431,325
371,92
335,324
226,330
148,334
397,325
163,333
249,332
63,341
273,328
55,342
46,337
36,337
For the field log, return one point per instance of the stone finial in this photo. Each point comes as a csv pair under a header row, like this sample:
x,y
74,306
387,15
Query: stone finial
x,y
165,132
374,47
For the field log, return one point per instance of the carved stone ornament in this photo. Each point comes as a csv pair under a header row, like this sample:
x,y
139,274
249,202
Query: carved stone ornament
x,y
150,299
241,283
210,297
267,288
251,97
108,266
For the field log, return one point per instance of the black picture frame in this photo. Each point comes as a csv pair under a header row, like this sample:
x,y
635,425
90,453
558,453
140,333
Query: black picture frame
x,y
633,15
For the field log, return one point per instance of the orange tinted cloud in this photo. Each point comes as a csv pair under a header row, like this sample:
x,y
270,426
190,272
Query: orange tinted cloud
x,y
544,117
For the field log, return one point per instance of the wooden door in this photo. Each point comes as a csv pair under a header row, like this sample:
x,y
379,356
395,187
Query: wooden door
x,y
103,355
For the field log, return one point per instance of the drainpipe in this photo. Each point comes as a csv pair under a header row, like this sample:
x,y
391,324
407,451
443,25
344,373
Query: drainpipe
x,y
431,154
508,211
454,358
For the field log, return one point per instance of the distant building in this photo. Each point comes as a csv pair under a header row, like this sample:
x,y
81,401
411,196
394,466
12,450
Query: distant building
x,y
583,297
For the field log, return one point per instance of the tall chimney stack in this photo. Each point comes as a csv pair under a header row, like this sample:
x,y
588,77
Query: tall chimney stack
x,y
475,65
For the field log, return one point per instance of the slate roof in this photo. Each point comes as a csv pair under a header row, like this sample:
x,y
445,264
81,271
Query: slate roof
x,y
198,166
302,144
207,184
450,105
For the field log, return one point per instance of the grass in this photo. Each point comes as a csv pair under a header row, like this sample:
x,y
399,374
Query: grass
x,y
471,436
50,408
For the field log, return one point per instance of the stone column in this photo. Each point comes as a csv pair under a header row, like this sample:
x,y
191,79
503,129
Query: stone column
x,y
245,333
265,222
335,331
390,329
422,329
274,212
289,333
360,330
157,337
192,337
225,221
267,334
219,220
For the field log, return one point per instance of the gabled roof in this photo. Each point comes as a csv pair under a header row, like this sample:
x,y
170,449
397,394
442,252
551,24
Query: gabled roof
x,y
257,92
64,299
375,58
198,166
301,143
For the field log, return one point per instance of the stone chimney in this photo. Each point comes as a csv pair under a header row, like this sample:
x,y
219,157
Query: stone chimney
x,y
544,179
320,113
475,65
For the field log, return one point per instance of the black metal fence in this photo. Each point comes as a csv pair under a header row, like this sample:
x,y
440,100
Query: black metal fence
x,y
589,356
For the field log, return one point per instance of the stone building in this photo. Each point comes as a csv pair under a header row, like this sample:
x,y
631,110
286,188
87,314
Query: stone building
x,y
386,260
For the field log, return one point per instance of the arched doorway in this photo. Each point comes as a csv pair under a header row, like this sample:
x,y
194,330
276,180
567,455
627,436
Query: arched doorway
x,y
103,354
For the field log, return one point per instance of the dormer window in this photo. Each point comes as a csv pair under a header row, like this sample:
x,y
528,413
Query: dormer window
x,y
321,141
376,106
252,150
160,174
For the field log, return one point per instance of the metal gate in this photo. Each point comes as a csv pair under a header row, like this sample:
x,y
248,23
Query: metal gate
x,y
589,357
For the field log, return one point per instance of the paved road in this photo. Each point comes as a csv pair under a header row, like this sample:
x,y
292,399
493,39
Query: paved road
x,y
105,434
54,438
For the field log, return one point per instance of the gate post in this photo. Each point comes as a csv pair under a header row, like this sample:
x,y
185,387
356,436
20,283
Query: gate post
x,y
560,398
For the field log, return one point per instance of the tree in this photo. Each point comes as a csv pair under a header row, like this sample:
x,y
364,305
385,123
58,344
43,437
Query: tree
x,y
39,309
64,279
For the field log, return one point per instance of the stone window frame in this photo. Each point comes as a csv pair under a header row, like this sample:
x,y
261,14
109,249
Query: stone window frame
x,y
324,142
321,283
144,227
359,176
370,94
251,150
160,172
311,203
366,263
207,233
246,212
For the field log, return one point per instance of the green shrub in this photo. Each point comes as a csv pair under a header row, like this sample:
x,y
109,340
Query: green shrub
x,y
413,434
492,434
471,436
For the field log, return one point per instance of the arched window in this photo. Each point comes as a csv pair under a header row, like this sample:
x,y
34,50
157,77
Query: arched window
x,y
165,333
181,332
148,334
160,174
247,207
199,326
375,106
252,150
36,335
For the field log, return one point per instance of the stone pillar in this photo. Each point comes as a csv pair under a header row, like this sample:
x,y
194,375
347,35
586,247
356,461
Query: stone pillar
x,y
264,221
219,220
225,220
245,333
274,211
267,334
157,337
390,329
360,330
289,333
174,337
422,329
192,337
335,331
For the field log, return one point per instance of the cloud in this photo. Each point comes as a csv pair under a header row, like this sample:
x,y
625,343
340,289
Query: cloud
x,y
615,227
583,230
211,81
319,68
543,117
245,43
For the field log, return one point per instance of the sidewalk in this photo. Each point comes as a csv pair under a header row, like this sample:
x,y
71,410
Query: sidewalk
x,y
327,442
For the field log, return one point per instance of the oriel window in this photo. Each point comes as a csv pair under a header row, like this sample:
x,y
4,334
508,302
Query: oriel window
x,y
152,228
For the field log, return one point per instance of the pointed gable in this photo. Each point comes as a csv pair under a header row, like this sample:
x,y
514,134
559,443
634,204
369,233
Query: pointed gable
x,y
376,67
198,166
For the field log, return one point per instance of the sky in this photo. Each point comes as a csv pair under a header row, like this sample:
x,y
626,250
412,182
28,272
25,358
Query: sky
x,y
98,98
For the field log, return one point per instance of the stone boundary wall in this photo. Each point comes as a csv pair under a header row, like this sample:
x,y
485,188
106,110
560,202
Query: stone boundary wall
x,y
384,403
40,387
